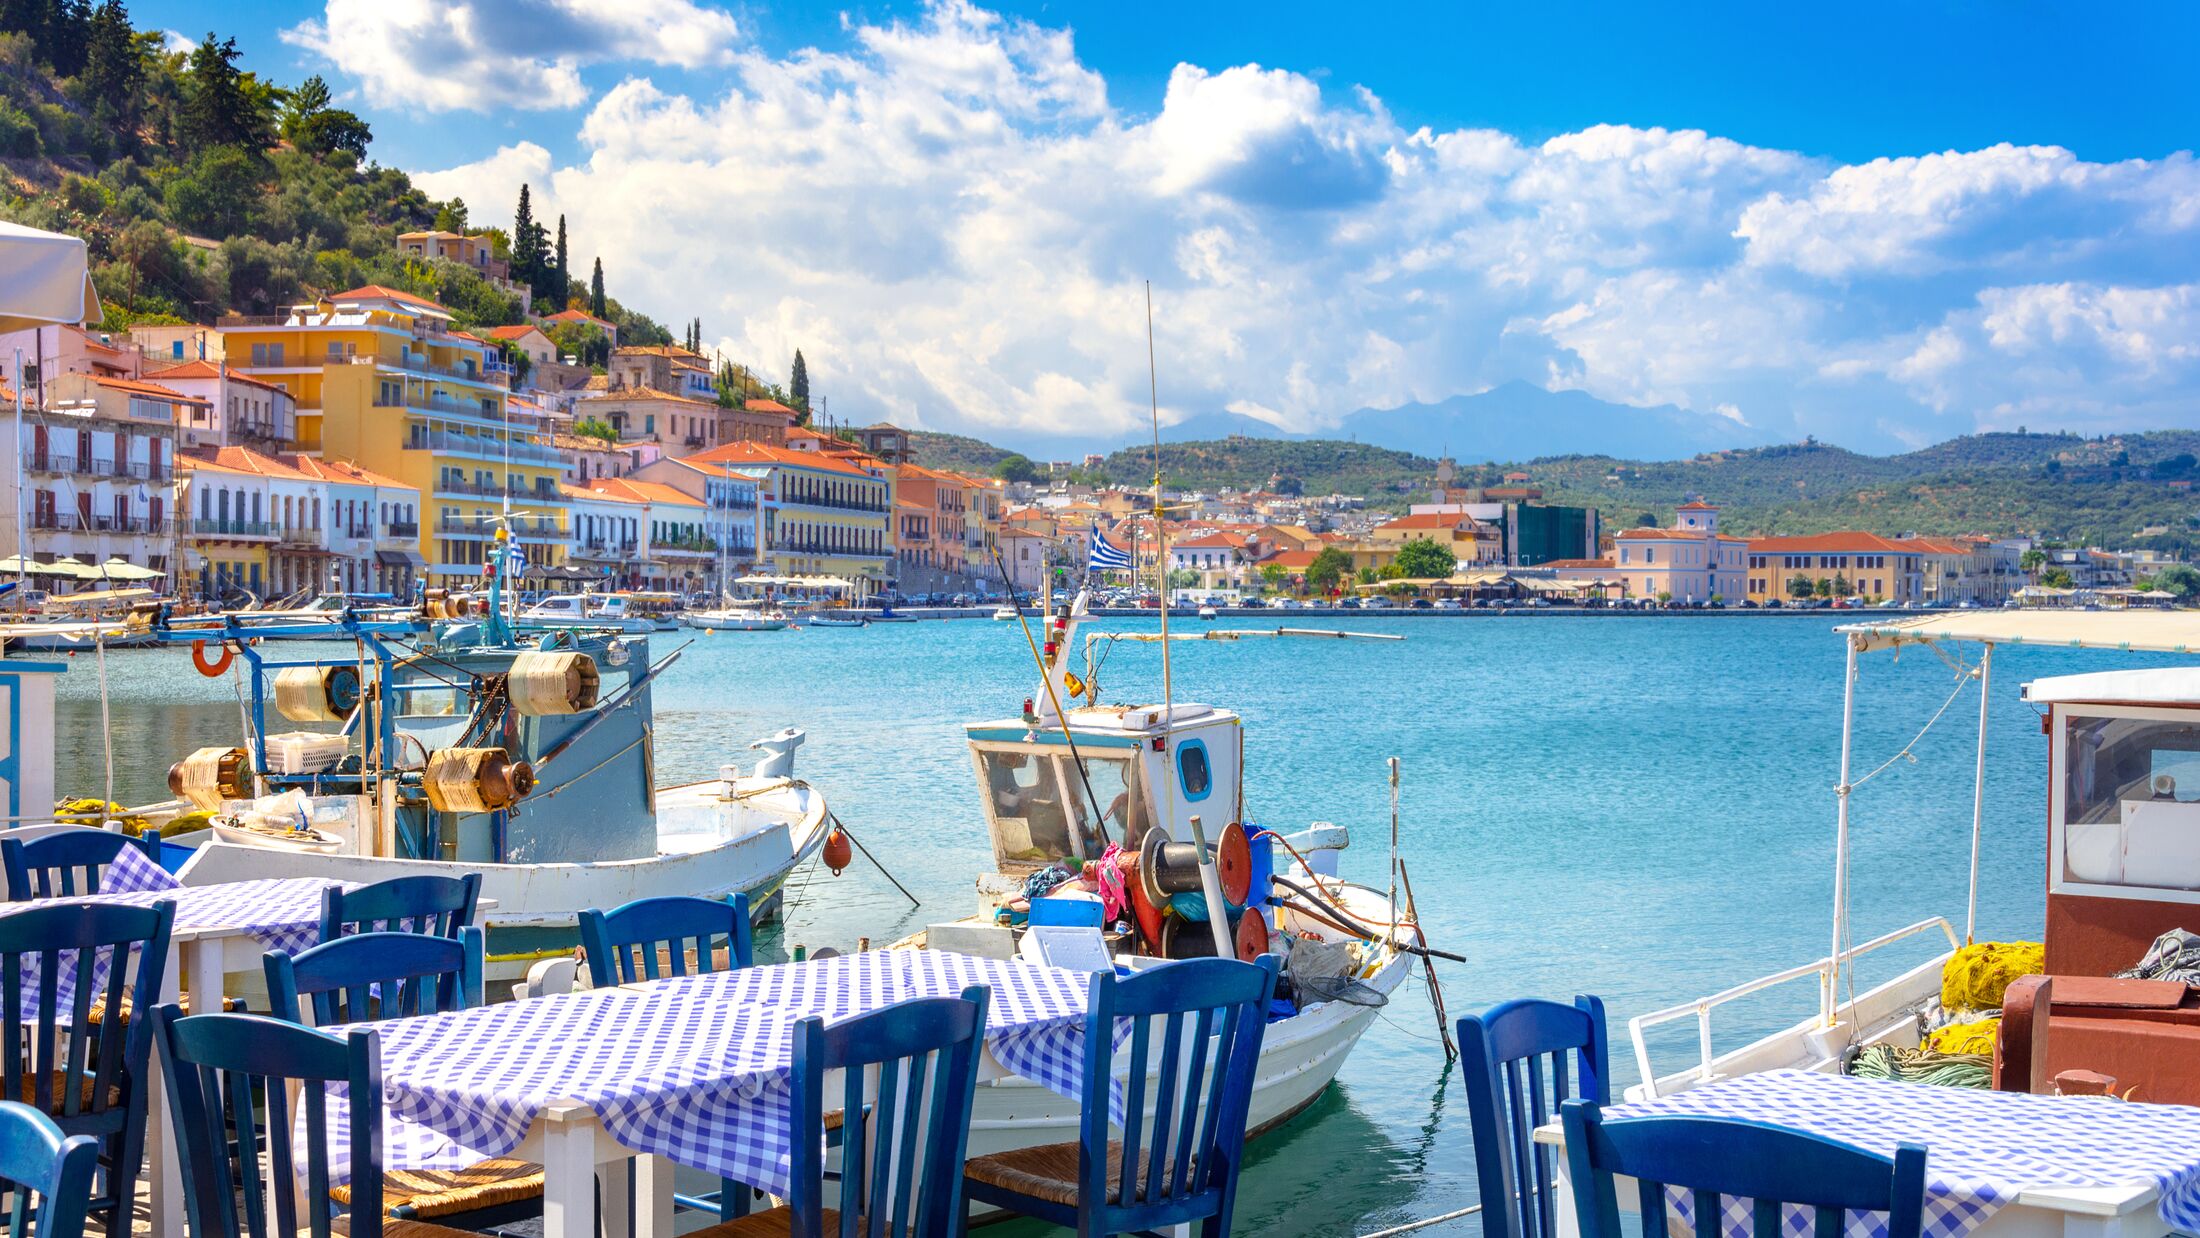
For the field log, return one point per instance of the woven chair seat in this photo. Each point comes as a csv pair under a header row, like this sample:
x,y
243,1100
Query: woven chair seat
x,y
1049,1172
449,1192
87,1090
774,1223
405,1229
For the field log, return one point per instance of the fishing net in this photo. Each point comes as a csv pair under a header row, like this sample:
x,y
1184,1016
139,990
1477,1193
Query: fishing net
x,y
1955,1070
1327,971
1976,976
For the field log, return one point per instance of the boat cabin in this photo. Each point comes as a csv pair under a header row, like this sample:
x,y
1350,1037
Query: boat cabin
x,y
1145,764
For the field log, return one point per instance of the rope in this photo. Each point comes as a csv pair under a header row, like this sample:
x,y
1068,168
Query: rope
x,y
543,795
1953,1070
1964,675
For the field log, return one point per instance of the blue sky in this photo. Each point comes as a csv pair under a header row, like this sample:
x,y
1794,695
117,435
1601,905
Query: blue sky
x,y
1879,223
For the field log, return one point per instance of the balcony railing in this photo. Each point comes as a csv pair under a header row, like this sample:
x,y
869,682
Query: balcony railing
x,y
295,536
407,529
826,548
467,526
487,449
230,528
77,522
838,505
48,462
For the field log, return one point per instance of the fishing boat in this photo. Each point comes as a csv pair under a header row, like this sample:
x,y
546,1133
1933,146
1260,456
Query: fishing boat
x,y
2123,870
887,614
735,619
1006,614
1141,791
819,619
585,610
1207,611
475,747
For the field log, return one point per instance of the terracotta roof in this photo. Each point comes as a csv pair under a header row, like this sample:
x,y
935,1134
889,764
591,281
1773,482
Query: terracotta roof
x,y
574,315
246,461
756,405
1940,545
1697,505
155,390
764,454
207,369
1431,520
652,350
651,393
1845,542
1598,564
369,292
1676,535
1210,541
515,333
627,490
344,471
1292,559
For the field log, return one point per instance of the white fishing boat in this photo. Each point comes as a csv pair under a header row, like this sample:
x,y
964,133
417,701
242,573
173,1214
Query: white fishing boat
x,y
735,619
1132,787
585,610
1006,614
2123,852
1207,611
819,619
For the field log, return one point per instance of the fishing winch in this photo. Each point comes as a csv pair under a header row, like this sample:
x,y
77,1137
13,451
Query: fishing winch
x,y
317,693
474,780
542,683
1167,868
211,775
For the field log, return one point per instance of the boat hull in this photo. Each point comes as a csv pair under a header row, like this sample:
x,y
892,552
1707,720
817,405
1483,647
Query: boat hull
x,y
734,623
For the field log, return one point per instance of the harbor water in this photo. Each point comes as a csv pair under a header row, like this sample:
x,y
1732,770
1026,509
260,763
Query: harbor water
x,y
1637,807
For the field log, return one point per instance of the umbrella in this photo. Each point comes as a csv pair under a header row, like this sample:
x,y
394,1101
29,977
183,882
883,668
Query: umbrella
x,y
123,569
16,565
71,568
44,279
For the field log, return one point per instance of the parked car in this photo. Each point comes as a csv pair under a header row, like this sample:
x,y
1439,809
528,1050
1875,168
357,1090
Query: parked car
x,y
1449,604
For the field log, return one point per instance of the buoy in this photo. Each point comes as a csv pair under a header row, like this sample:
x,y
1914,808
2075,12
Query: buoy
x,y
838,855
219,666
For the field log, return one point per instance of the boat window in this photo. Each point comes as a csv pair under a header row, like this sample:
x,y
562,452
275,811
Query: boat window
x,y
1192,771
430,703
2131,801
1115,785
1030,815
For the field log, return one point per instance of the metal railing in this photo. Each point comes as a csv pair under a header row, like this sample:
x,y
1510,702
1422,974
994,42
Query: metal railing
x,y
297,536
826,548
487,449
1827,970
838,505
408,529
230,528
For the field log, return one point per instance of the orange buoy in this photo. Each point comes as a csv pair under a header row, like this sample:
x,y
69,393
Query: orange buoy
x,y
837,853
216,668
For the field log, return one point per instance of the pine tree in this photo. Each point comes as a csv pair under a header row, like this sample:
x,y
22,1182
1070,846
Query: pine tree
x,y
68,34
114,67
25,17
526,241
798,383
562,279
595,290
218,109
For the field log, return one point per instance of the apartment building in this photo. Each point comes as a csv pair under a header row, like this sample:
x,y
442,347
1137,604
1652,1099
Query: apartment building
x,y
1873,567
98,461
818,515
1691,562
234,409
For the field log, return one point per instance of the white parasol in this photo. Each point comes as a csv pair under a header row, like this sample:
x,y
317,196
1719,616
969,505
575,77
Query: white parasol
x,y
45,278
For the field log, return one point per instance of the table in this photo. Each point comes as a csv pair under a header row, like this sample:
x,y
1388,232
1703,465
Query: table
x,y
693,1071
1999,1164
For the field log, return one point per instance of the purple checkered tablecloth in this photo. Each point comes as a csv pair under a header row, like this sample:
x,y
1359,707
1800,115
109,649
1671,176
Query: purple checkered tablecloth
x,y
694,1069
1983,1148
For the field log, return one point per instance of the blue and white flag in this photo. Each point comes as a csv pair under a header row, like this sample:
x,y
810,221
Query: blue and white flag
x,y
1105,557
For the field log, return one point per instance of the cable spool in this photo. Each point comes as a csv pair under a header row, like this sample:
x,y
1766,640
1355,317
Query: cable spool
x,y
542,684
470,780
1187,939
211,775
1166,868
317,693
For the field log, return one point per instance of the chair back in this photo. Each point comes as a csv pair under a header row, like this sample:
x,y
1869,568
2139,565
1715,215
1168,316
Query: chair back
x,y
370,976
1182,1157
1523,1059
67,863
1771,1166
650,938
436,906
58,965
217,1064
908,1075
35,1159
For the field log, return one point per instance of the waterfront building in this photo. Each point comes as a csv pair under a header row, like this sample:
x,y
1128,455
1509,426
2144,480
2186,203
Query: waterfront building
x,y
817,515
1473,542
1955,570
372,528
382,380
1220,556
1026,553
98,465
931,542
642,535
1874,567
229,540
1691,562
606,533
233,408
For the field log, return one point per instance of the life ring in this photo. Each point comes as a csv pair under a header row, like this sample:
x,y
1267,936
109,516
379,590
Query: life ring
x,y
216,668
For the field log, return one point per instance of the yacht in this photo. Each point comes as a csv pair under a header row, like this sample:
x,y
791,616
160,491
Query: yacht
x,y
585,610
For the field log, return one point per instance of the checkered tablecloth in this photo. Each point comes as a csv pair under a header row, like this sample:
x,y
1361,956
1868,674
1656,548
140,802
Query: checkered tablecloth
x,y
1983,1148
695,1069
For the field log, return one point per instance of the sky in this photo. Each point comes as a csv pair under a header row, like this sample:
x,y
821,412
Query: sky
x,y
1880,224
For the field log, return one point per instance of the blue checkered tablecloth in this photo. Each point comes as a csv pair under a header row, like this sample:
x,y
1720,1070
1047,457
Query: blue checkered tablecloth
x,y
694,1069
1983,1148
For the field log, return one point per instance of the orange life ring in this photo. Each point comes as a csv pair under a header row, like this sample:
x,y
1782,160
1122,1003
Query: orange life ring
x,y
216,668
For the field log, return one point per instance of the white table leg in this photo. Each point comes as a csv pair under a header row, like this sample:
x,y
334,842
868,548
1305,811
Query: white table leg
x,y
652,1197
1563,1220
569,1171
164,1170
615,1184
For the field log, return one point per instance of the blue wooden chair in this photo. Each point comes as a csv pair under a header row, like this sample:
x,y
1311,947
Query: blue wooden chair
x,y
85,1071
909,1074
37,1159
437,906
651,938
67,863
1710,1157
1180,1161
371,976
1522,1060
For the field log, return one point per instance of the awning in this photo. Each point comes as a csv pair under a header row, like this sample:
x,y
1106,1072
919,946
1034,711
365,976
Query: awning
x,y
401,558
2144,631
123,569
45,278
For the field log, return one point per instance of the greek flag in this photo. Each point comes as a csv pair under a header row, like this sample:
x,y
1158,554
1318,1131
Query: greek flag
x,y
1106,557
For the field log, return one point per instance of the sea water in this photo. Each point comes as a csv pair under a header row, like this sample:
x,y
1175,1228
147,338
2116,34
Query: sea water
x,y
1636,807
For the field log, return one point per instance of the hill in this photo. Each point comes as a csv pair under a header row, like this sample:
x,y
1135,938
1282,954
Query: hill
x,y
955,452
1519,421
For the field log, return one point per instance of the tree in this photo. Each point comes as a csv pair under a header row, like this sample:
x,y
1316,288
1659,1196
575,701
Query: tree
x,y
595,428
1647,520
527,256
114,69
2179,579
1290,486
1184,578
215,192
221,106
1365,576
798,383
595,290
1841,586
2032,561
1016,467
1799,586
311,125
1824,587
451,216
2057,578
562,279
67,35
1272,574
1329,567
1426,557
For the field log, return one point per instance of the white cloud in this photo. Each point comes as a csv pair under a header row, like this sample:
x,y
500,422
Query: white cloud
x,y
490,187
446,55
178,41
954,223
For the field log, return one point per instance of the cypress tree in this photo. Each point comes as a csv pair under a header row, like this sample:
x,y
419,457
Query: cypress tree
x,y
526,242
798,383
563,277
595,290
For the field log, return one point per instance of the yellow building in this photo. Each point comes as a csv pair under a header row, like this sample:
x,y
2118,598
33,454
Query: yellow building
x,y
819,515
381,379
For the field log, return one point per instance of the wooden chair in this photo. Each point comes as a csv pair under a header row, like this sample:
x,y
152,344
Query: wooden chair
x,y
67,863
908,1077
37,1159
1713,1157
367,977
436,906
86,1072
1178,1163
218,1065
651,938
1522,1060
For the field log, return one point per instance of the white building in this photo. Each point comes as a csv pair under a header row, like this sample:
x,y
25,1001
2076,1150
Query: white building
x,y
97,463
238,410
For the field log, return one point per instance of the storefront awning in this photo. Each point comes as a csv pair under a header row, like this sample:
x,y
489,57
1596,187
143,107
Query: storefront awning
x,y
401,558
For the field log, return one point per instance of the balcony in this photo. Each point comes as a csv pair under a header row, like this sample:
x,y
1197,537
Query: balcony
x,y
49,462
835,505
788,546
77,522
485,526
484,449
405,530
686,545
296,536
693,440
229,528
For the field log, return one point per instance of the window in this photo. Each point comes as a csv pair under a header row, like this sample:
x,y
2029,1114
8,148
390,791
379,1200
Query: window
x,y
2129,800
1192,770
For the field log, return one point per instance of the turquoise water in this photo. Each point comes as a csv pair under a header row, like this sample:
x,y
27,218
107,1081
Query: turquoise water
x,y
1638,807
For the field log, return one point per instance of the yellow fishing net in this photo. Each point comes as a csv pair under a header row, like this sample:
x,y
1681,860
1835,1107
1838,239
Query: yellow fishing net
x,y
1980,973
1974,1037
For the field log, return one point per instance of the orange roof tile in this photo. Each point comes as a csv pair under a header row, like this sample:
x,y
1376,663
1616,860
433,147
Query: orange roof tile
x,y
368,292
764,454
344,471
244,460
574,315
1844,542
154,390
1598,564
627,490
651,393
207,369
1431,520
756,405
515,333
1675,535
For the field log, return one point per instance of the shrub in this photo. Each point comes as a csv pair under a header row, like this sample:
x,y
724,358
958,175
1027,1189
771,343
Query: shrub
x,y
18,132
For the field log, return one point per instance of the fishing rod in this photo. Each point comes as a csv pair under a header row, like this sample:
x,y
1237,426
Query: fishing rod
x,y
1046,677
1337,919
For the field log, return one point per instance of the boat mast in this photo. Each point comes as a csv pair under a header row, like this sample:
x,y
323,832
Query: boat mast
x,y
1841,791
1978,791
